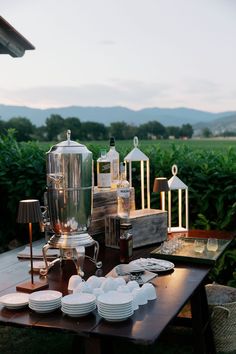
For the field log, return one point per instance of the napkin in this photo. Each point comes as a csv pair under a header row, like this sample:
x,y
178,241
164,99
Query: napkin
x,y
38,253
132,272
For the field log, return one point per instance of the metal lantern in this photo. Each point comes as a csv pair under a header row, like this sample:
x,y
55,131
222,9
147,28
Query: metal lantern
x,y
138,155
176,184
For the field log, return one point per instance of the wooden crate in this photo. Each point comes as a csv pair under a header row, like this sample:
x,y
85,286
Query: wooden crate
x,y
149,226
104,203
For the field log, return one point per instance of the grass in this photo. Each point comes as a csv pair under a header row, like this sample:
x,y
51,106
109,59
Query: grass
x,y
32,341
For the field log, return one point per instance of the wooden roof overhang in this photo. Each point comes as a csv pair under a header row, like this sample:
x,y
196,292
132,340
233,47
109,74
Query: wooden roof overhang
x,y
11,41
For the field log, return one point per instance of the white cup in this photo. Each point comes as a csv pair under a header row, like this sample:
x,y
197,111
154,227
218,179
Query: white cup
x,y
133,284
97,292
93,282
119,281
83,288
74,281
135,303
150,291
108,284
139,296
124,289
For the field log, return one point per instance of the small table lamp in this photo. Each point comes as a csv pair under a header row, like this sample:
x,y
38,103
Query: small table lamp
x,y
161,186
29,212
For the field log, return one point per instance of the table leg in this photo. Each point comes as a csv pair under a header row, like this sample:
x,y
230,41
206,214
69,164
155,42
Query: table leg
x,y
202,333
98,345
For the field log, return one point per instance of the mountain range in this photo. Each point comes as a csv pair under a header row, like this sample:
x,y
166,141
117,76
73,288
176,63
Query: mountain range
x,y
216,122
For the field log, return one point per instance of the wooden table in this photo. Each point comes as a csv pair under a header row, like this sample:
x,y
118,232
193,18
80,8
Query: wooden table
x,y
174,290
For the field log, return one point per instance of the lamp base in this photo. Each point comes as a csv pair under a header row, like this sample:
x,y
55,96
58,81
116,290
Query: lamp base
x,y
28,287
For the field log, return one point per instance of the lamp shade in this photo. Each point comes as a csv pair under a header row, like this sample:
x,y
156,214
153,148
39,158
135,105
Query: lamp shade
x,y
160,185
29,211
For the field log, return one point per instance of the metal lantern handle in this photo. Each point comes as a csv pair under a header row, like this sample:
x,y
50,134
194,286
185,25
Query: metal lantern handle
x,y
68,134
135,141
174,170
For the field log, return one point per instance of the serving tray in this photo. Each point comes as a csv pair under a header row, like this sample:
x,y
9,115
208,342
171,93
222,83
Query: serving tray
x,y
187,253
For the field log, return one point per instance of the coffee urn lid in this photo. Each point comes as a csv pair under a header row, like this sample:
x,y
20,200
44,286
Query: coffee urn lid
x,y
69,147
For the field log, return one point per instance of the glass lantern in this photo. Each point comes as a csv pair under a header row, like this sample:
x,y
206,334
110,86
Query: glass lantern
x,y
138,155
175,184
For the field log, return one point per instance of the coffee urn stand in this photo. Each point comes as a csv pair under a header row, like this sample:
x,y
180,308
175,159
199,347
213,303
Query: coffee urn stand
x,y
69,247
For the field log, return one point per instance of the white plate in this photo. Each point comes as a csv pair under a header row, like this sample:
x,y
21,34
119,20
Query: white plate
x,y
45,306
77,314
153,264
111,315
78,299
115,298
47,296
15,300
80,308
44,310
77,311
115,310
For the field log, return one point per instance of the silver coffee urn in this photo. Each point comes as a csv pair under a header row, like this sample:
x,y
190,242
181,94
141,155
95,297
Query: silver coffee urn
x,y
69,198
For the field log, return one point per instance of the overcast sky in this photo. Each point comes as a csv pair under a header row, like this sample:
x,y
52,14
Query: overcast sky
x,y
133,53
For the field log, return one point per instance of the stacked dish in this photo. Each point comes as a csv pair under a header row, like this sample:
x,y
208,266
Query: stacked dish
x,y
14,301
78,305
45,301
115,306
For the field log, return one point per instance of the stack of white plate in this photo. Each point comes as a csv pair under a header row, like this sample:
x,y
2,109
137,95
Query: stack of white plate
x,y
114,306
14,301
78,305
45,301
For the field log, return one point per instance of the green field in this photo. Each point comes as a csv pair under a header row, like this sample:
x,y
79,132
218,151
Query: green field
x,y
222,145
217,144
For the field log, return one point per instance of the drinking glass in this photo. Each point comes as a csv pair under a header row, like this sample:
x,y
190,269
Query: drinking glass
x,y
199,246
212,244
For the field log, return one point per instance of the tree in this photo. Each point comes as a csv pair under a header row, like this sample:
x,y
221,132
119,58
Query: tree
x,y
2,126
40,133
122,131
23,127
74,125
173,131
93,131
186,131
54,125
206,133
152,129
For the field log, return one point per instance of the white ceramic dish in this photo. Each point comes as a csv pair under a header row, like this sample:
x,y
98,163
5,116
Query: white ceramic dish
x,y
114,298
47,296
15,301
39,310
77,314
78,299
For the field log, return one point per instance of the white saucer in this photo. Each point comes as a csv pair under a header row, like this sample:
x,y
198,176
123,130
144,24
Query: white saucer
x,y
47,296
15,300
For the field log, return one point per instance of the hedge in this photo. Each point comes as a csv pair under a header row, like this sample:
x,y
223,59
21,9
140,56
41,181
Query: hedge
x,y
210,176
